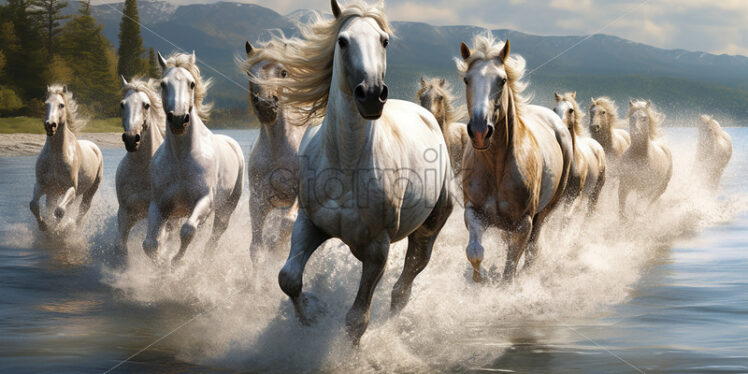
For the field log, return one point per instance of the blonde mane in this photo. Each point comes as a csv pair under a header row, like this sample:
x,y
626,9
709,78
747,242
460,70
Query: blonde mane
x,y
655,118
74,122
452,111
186,61
611,111
150,87
309,59
486,47
579,130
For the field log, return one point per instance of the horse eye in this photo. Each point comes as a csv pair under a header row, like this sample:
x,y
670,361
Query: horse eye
x,y
503,81
163,85
192,85
147,106
465,80
62,106
602,112
385,42
571,110
284,74
342,42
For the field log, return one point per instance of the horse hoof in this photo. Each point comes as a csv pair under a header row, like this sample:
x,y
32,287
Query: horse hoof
x,y
309,308
477,276
59,212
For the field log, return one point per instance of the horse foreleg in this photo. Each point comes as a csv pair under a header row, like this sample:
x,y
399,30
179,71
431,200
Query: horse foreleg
x,y
306,238
518,240
63,203
623,193
34,207
199,214
374,259
476,225
420,245
258,211
156,222
125,223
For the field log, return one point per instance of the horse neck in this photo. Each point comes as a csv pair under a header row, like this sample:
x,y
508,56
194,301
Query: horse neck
x,y
180,146
152,139
346,132
277,134
61,141
640,145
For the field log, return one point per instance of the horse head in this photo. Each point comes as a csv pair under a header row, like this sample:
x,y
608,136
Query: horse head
x,y
432,96
264,97
57,113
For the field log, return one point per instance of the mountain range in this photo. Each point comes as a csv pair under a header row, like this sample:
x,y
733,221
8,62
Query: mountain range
x,y
680,82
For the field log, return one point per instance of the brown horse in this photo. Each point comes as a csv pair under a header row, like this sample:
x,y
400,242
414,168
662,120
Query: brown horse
x,y
713,152
605,128
587,174
435,95
517,168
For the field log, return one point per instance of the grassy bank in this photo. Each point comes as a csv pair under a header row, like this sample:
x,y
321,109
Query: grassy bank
x,y
29,125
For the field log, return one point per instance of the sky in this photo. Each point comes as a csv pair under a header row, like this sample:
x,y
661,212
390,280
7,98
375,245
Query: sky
x,y
715,26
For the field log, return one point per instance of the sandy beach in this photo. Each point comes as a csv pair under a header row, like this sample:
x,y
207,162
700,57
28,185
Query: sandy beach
x,y
31,144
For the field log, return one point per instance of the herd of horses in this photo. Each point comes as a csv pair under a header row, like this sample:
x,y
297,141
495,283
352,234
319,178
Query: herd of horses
x,y
346,162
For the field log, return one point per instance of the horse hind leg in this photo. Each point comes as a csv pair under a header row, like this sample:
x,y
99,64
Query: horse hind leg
x,y
85,204
518,242
420,245
306,238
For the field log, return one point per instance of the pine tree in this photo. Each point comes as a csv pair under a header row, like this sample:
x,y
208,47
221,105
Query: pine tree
x,y
21,41
90,57
154,71
130,43
49,14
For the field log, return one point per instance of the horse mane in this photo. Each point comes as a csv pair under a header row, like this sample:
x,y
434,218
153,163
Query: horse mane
x,y
74,122
150,87
486,47
611,111
710,122
309,59
579,130
186,61
655,118
453,112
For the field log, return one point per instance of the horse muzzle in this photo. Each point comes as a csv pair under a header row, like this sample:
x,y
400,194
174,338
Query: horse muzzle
x,y
480,136
132,141
370,100
51,128
178,123
265,108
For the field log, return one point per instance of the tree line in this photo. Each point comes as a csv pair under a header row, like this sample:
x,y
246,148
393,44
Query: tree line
x,y
40,45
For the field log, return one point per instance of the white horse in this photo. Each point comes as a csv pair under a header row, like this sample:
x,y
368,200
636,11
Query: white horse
x,y
587,174
516,170
66,168
647,165
144,124
194,174
370,173
714,151
273,164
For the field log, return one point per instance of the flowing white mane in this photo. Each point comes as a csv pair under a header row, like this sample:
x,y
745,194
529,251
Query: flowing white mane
x,y
309,59
74,123
150,87
655,118
186,61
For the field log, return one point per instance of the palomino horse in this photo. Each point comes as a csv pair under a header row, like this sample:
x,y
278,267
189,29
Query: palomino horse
x,y
714,150
144,123
194,174
587,173
66,167
273,164
434,94
647,165
517,168
605,128
370,173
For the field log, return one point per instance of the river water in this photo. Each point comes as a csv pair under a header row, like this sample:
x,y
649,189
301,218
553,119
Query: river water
x,y
664,292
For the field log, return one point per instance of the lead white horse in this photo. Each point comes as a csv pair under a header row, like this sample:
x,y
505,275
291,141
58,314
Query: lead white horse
x,y
647,165
714,151
370,173
588,168
66,168
194,174
144,124
273,167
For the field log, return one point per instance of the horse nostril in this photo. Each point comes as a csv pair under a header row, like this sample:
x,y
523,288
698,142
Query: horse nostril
x,y
275,98
186,118
489,132
360,92
124,137
170,116
137,138
384,93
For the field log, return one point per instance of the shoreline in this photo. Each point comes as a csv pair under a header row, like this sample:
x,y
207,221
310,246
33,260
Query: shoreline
x,y
30,144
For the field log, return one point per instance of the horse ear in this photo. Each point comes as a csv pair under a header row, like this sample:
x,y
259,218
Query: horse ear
x,y
631,103
505,52
65,88
192,57
335,8
442,82
649,103
422,81
124,81
574,95
592,100
161,61
558,97
464,51
248,48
